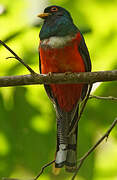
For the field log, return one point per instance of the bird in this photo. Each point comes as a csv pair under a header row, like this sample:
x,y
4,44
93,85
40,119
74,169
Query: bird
x,y
62,49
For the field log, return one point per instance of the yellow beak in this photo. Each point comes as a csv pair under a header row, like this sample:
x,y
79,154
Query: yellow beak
x,y
43,15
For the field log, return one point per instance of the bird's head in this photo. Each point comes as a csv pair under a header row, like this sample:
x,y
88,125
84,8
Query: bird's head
x,y
57,22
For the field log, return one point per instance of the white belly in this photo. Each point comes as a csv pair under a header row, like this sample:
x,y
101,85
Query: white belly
x,y
57,42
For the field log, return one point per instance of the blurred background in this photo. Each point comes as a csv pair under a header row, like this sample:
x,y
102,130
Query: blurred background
x,y
27,117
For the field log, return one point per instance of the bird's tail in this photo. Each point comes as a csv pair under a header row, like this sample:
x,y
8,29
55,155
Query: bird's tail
x,y
71,159
66,146
67,154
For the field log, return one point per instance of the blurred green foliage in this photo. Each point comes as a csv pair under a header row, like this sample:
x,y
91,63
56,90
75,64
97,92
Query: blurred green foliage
x,y
27,118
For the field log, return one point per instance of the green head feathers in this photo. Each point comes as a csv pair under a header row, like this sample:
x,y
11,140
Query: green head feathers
x,y
57,22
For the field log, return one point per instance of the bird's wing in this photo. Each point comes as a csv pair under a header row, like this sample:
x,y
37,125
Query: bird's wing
x,y
85,54
82,48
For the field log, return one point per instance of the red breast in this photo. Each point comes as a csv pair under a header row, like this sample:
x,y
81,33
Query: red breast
x,y
60,60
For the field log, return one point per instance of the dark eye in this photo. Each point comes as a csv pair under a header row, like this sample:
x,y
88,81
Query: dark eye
x,y
54,9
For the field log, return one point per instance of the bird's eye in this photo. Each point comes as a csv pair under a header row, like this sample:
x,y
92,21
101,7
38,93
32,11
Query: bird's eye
x,y
54,9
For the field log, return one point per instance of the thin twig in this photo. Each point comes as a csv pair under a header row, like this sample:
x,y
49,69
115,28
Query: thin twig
x,y
103,98
10,57
94,147
42,169
18,58
73,127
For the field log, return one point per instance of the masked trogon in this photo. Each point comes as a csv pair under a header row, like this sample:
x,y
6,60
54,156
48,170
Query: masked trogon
x,y
62,49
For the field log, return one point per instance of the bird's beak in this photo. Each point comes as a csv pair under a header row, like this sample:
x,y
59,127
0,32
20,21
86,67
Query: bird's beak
x,y
43,15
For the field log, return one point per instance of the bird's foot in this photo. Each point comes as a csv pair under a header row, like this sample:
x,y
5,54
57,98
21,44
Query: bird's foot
x,y
66,73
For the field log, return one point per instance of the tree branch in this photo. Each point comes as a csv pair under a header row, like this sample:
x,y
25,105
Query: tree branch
x,y
66,78
41,172
42,169
94,147
17,57
103,98
59,78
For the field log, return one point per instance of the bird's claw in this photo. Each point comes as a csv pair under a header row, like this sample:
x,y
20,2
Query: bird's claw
x,y
66,73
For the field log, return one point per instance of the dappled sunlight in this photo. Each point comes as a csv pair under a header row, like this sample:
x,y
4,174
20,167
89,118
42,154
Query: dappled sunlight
x,y
42,124
105,167
4,145
7,94
44,177
21,172
38,98
95,86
